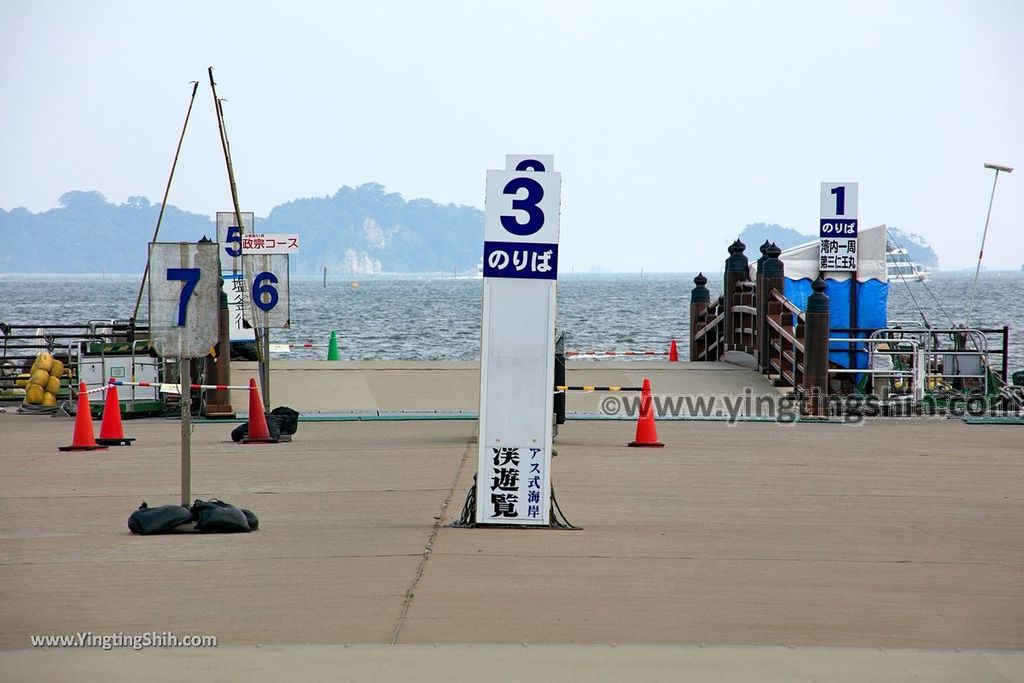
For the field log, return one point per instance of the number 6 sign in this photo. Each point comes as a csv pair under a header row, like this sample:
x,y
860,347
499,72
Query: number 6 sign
x,y
268,290
184,287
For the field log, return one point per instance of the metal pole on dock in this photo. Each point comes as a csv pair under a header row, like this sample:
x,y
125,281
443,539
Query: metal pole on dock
x,y
262,349
974,287
185,376
167,192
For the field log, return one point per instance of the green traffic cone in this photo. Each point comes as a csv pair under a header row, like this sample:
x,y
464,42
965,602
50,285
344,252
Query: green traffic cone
x,y
332,347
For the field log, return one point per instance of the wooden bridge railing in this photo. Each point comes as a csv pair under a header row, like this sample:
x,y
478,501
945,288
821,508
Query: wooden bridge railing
x,y
756,323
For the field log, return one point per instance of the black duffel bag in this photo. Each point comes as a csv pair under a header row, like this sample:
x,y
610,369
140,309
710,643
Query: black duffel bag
x,y
286,418
216,516
242,430
159,520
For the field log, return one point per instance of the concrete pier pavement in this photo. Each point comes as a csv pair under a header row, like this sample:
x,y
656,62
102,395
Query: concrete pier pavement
x,y
751,538
332,386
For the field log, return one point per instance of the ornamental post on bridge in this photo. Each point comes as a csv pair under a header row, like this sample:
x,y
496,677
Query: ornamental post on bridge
x,y
757,301
760,265
700,299
816,351
772,277
737,269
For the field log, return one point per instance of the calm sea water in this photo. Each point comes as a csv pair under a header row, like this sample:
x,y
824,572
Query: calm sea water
x,y
438,318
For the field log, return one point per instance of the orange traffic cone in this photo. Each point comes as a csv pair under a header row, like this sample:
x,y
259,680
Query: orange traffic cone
x,y
83,440
258,430
673,352
111,431
646,431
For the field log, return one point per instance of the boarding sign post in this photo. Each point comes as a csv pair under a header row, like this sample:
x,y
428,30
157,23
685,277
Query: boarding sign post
x,y
517,363
838,227
229,236
183,320
266,276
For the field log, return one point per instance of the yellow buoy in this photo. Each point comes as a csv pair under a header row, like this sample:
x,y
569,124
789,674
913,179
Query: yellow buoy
x,y
40,377
22,380
57,369
53,385
44,361
49,399
355,285
34,394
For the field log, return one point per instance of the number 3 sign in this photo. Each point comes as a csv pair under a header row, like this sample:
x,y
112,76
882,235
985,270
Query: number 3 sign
x,y
184,291
521,224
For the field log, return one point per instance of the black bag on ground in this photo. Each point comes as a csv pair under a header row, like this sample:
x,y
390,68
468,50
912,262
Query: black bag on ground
x,y
242,430
250,516
287,419
159,520
216,516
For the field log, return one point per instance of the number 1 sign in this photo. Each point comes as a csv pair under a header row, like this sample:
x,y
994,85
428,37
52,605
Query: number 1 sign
x,y
184,287
838,227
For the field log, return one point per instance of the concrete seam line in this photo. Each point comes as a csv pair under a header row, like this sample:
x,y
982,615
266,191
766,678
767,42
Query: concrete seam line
x,y
430,541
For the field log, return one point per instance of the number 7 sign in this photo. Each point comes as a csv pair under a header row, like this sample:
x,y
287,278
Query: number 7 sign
x,y
184,291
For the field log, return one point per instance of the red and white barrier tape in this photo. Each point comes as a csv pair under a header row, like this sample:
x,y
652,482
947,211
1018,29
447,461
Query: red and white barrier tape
x,y
173,388
285,348
612,354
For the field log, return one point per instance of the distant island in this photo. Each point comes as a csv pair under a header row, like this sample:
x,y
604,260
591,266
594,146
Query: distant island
x,y
357,230
755,234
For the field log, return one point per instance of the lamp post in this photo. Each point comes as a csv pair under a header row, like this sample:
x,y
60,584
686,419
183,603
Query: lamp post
x,y
974,287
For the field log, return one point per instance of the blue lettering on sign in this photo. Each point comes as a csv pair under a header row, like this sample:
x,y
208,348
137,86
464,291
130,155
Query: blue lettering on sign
x,y
530,165
526,260
832,227
263,285
234,235
528,205
190,276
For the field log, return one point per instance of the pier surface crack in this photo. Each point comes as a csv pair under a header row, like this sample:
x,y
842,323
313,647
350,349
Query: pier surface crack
x,y
430,541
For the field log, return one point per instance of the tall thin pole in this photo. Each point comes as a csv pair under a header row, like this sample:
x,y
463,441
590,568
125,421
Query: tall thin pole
x,y
167,191
185,377
981,252
261,353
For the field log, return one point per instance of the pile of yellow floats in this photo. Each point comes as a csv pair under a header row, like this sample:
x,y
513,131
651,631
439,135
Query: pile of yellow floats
x,y
42,382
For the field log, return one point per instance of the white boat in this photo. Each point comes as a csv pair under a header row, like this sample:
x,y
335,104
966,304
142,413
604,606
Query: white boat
x,y
899,265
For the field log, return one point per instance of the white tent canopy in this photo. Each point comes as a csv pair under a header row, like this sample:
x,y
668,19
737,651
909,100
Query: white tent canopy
x,y
802,261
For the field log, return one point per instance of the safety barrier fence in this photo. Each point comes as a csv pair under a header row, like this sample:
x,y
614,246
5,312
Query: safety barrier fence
x,y
164,387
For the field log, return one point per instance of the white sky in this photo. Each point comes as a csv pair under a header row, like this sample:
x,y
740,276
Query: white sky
x,y
674,124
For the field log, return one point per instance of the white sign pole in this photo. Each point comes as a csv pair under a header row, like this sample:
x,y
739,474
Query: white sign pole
x,y
183,318
517,365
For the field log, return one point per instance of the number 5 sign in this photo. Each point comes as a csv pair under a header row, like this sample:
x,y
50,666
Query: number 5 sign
x,y
184,287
